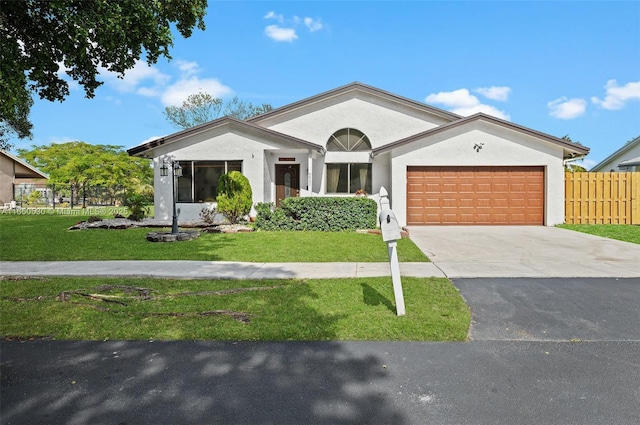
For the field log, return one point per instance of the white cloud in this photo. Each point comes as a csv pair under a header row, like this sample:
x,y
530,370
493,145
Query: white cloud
x,y
313,25
178,92
495,93
462,102
456,98
277,33
149,91
150,139
188,68
617,96
141,74
56,140
148,81
566,109
286,30
273,15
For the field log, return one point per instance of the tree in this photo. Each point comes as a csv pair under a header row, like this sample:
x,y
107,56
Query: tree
x,y
197,109
234,196
202,107
40,37
80,165
570,167
242,110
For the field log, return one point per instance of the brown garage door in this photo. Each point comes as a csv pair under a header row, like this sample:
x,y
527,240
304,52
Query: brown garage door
x,y
475,195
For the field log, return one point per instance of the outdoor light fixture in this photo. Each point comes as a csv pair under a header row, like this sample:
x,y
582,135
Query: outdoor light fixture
x,y
164,170
176,171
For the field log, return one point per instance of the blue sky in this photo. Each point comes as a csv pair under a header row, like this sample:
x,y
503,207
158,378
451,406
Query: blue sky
x,y
557,67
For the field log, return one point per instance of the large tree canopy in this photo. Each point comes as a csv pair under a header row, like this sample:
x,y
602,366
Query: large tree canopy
x,y
201,107
39,37
80,163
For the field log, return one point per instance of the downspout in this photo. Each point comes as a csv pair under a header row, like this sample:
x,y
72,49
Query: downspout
x,y
310,171
573,158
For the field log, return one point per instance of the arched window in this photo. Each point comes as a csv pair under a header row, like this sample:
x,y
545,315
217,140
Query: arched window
x,y
348,140
350,173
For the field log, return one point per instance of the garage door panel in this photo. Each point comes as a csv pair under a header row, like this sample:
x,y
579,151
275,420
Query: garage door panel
x,y
475,195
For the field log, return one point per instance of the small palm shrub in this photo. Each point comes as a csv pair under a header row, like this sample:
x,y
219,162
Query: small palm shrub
x,y
138,204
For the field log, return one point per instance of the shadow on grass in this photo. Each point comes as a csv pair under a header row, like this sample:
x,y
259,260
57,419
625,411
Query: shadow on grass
x,y
372,297
168,382
198,382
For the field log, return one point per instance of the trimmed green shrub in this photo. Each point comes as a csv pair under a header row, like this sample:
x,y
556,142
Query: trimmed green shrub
x,y
234,196
318,213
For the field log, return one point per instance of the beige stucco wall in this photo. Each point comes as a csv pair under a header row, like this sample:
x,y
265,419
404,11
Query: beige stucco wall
x,y
6,180
501,147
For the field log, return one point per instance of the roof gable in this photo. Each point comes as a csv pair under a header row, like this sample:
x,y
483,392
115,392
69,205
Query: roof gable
x,y
231,123
354,89
24,169
617,154
570,149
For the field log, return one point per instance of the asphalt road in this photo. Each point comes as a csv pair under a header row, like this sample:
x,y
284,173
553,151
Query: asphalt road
x,y
568,374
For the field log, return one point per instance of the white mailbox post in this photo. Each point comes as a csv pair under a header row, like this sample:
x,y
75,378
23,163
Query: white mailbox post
x,y
390,234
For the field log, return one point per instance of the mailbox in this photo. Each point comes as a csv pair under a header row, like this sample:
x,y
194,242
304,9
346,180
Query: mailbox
x,y
389,226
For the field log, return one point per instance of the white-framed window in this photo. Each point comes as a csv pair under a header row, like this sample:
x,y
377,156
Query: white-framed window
x,y
348,140
349,175
199,180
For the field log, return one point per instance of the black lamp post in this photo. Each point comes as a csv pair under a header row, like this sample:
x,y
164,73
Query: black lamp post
x,y
176,171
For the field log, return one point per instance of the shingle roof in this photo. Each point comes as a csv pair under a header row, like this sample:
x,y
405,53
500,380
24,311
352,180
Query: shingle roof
x,y
627,146
356,86
162,141
571,147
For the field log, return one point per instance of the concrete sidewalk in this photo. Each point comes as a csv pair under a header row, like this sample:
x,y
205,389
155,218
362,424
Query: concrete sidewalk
x,y
455,252
212,269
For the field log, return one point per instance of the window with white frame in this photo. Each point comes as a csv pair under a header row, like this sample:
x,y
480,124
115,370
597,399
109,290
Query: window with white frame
x,y
348,140
199,180
349,176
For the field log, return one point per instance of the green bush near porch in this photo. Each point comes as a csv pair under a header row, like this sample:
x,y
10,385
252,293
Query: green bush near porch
x,y
318,214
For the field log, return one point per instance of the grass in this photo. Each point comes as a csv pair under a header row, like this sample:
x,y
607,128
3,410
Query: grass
x,y
274,310
622,232
46,238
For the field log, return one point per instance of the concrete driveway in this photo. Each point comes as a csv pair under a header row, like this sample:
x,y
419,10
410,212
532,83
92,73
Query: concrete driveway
x,y
524,251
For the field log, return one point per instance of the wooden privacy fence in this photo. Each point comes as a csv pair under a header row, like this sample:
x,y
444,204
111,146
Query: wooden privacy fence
x,y
602,198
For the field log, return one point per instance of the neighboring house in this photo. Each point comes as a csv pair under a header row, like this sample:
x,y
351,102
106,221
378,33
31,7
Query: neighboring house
x,y
438,167
627,158
15,173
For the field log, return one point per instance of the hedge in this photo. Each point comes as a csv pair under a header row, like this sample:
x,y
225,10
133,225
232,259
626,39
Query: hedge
x,y
318,213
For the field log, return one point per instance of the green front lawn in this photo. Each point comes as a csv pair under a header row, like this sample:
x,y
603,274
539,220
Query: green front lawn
x,y
46,238
622,232
141,309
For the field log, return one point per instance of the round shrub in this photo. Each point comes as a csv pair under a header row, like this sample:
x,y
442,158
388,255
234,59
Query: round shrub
x,y
234,196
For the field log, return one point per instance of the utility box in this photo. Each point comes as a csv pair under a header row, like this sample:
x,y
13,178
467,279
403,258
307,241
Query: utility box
x,y
389,226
